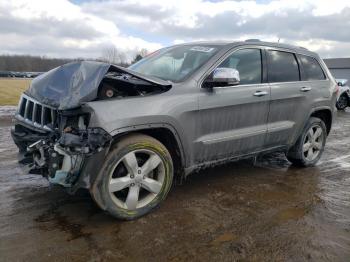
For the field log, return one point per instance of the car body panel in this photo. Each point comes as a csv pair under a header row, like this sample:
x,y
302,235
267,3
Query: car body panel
x,y
169,109
224,128
210,125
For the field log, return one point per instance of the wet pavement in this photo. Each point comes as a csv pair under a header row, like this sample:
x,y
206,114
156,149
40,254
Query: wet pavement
x,y
269,211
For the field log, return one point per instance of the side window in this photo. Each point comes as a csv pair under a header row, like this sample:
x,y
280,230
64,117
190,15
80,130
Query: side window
x,y
248,63
282,67
312,69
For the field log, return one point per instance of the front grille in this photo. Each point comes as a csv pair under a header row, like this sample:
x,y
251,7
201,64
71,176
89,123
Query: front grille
x,y
36,114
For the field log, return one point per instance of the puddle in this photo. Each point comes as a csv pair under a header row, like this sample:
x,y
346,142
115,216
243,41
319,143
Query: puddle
x,y
267,211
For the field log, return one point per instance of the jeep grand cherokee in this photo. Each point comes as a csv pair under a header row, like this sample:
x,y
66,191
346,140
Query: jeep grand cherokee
x,y
126,133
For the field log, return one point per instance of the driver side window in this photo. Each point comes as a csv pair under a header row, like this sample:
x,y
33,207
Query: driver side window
x,y
248,63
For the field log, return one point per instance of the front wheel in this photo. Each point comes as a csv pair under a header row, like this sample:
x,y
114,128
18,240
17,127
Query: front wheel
x,y
309,147
136,177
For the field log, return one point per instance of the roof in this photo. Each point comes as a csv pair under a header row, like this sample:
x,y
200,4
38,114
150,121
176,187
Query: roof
x,y
337,63
276,44
255,42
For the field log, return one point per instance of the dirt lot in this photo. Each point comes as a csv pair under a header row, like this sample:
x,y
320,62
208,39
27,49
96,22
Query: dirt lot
x,y
11,89
266,212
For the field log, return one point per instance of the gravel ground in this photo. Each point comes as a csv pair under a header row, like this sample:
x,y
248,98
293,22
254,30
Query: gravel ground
x,y
269,211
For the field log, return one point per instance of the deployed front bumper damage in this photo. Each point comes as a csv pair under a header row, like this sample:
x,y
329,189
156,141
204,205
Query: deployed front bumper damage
x,y
52,130
65,157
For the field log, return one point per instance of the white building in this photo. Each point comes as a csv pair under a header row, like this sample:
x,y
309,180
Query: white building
x,y
340,67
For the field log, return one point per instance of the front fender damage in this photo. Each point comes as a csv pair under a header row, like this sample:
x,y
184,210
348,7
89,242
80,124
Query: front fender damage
x,y
53,130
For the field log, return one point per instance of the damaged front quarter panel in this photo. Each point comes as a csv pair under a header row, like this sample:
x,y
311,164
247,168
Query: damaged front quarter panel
x,y
53,132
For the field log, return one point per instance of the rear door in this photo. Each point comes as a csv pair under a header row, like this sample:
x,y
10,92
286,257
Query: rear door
x,y
313,78
233,119
291,98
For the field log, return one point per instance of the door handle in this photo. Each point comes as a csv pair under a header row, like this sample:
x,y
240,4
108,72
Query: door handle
x,y
260,93
305,89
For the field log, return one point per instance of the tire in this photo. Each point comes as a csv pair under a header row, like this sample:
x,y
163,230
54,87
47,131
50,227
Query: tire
x,y
309,147
139,171
342,102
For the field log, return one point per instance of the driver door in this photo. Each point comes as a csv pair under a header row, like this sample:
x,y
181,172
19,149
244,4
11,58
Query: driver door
x,y
233,118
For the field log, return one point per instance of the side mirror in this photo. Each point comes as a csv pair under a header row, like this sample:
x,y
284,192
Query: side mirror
x,y
341,82
222,76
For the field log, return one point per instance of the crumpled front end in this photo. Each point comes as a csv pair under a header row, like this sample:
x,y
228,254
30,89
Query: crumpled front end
x,y
52,130
57,143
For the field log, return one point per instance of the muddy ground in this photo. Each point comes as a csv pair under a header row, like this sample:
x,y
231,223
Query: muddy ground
x,y
267,212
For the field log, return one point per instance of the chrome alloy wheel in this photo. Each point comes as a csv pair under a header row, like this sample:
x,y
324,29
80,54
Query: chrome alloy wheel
x,y
313,143
136,179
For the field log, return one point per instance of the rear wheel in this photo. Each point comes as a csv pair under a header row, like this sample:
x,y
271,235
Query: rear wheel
x,y
137,176
342,102
309,147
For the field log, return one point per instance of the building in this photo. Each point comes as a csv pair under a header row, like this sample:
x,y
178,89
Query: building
x,y
339,67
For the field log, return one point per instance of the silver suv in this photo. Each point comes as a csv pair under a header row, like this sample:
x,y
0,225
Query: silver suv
x,y
125,134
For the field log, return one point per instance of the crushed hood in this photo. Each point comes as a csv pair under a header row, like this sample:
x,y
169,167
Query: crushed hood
x,y
69,85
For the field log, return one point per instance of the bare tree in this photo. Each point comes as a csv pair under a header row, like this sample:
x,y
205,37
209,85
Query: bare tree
x,y
28,63
141,54
113,55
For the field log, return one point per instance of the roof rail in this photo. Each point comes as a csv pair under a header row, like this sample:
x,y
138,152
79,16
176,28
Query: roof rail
x,y
252,40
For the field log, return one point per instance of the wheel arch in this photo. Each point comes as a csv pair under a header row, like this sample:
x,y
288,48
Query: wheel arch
x,y
326,115
164,133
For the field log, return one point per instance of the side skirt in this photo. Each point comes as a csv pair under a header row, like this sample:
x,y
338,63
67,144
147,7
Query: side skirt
x,y
204,165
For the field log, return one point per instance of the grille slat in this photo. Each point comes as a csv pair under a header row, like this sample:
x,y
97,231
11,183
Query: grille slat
x,y
42,116
36,114
22,105
30,110
52,117
26,110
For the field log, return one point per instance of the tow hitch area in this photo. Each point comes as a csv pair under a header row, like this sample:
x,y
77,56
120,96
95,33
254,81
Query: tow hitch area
x,y
62,160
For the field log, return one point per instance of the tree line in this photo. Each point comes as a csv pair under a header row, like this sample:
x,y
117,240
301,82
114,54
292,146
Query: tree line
x,y
29,63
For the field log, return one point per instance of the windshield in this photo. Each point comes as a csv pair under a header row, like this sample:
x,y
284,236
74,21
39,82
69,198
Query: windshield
x,y
175,63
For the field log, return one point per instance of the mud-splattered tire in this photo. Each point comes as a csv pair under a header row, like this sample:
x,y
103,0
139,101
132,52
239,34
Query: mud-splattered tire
x,y
309,147
136,177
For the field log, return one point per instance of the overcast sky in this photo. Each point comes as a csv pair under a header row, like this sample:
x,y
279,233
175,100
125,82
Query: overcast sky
x,y
79,28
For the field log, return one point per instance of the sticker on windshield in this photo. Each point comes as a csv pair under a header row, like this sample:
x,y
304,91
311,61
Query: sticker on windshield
x,y
202,49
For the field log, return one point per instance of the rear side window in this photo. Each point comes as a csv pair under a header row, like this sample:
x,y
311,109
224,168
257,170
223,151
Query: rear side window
x,y
248,63
282,67
312,69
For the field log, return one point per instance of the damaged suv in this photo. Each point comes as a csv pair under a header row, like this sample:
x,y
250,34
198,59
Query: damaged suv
x,y
125,134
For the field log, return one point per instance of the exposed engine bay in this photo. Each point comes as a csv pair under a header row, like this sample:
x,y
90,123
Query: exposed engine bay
x,y
120,85
52,125
70,85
